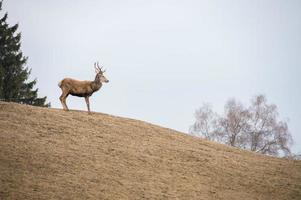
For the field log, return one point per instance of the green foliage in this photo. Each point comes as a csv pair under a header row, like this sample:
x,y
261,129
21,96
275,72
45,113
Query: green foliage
x,y
14,84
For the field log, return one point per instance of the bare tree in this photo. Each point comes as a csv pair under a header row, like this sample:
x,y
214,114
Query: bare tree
x,y
266,133
205,124
234,124
256,128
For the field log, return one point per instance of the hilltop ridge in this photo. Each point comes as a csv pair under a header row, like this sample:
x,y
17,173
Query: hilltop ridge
x,y
48,153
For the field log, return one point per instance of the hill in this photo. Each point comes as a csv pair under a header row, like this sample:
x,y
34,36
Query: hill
x,y
51,154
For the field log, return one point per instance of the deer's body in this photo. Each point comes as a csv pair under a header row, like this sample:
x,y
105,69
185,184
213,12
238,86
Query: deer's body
x,y
81,88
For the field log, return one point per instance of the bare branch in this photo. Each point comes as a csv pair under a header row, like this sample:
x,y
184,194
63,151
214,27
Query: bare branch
x,y
256,128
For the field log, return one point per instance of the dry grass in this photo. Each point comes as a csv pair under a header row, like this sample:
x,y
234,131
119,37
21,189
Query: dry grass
x,y
52,154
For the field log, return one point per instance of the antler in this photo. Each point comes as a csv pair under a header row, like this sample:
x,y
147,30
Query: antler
x,y
96,69
100,68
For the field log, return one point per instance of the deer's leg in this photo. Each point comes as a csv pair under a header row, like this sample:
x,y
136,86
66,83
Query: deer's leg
x,y
88,103
63,100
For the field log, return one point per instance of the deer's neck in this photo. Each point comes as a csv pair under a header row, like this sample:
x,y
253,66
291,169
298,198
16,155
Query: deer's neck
x,y
96,84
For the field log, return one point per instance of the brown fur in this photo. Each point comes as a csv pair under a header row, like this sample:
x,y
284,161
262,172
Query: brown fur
x,y
81,88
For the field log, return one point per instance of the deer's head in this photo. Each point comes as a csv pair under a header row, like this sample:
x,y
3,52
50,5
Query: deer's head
x,y
100,73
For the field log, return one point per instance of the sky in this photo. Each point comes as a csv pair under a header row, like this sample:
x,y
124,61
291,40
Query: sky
x,y
164,59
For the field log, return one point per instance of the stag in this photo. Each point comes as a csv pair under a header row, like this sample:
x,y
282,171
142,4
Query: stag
x,y
82,88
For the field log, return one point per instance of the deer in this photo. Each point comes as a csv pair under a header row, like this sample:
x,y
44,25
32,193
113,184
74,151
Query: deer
x,y
82,88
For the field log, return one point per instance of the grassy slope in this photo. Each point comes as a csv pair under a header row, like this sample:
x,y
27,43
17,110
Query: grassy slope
x,y
52,154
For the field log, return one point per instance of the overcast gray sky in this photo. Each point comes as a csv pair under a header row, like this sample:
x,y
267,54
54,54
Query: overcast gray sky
x,y
165,58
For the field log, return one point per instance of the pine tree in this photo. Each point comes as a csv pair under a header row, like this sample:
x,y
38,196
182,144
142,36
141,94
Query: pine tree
x,y
14,84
